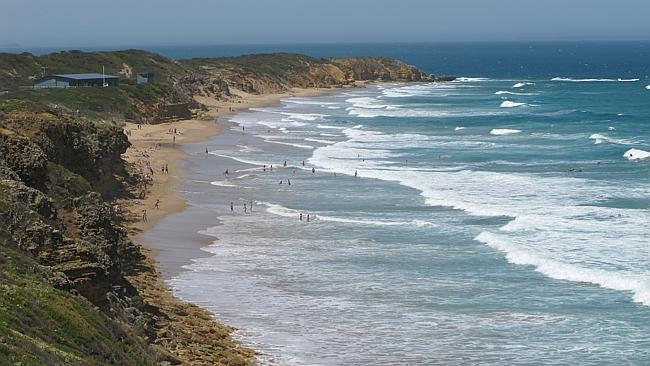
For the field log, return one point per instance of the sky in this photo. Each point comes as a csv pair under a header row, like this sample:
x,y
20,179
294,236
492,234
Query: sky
x,y
91,23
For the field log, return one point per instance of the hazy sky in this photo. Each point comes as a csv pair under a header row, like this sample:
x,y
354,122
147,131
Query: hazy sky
x,y
69,23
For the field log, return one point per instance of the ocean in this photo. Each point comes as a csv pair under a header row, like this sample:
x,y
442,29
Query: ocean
x,y
503,218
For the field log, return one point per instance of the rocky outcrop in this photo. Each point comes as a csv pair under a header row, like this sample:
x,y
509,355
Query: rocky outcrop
x,y
28,141
52,217
22,158
379,68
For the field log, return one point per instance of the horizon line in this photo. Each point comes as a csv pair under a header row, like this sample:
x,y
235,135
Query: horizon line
x,y
139,46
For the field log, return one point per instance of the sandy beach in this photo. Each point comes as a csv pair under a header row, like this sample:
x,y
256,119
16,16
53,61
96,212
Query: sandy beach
x,y
156,145
185,328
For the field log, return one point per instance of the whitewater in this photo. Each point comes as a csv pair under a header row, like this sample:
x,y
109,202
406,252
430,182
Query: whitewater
x,y
480,221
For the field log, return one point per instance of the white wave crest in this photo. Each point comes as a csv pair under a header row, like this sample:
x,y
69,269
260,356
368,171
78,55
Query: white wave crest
x,y
593,80
567,271
522,84
459,128
328,127
223,183
636,154
326,142
501,92
280,210
511,104
600,138
503,131
466,79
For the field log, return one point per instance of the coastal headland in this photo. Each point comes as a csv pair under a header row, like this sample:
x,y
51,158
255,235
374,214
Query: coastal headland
x,y
84,170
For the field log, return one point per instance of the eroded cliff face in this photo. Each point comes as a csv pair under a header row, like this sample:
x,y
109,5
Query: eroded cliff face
x,y
67,266
276,73
379,68
49,211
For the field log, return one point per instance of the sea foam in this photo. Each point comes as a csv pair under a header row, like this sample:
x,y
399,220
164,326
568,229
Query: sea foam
x,y
567,271
593,80
636,154
501,92
503,131
522,84
511,104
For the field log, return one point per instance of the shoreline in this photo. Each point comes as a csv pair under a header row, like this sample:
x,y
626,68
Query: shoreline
x,y
170,152
155,146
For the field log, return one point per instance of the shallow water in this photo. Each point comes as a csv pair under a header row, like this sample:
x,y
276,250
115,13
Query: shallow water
x,y
475,232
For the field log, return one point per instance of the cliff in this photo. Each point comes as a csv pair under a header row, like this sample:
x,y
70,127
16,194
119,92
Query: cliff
x,y
75,289
65,258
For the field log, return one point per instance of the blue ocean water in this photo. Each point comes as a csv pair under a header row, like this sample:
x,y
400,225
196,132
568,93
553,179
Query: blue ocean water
x,y
498,219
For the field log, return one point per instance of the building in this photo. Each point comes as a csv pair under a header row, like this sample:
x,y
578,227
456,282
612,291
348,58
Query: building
x,y
75,80
144,78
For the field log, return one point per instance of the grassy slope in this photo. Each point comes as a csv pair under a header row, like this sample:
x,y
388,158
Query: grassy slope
x,y
278,65
17,73
22,69
40,325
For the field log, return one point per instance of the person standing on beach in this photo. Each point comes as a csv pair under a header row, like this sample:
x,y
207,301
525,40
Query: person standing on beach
x,y
313,170
144,215
285,163
174,140
288,181
157,205
206,151
232,208
243,129
245,209
301,216
307,217
303,163
355,173
251,206
271,168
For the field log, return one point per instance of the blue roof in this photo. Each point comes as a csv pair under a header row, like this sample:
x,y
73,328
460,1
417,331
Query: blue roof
x,y
86,76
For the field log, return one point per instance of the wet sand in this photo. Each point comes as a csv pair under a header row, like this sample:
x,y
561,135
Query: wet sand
x,y
156,146
186,330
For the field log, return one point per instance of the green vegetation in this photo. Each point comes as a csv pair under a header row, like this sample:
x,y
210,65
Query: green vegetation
x,y
21,70
40,325
64,185
275,65
11,105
